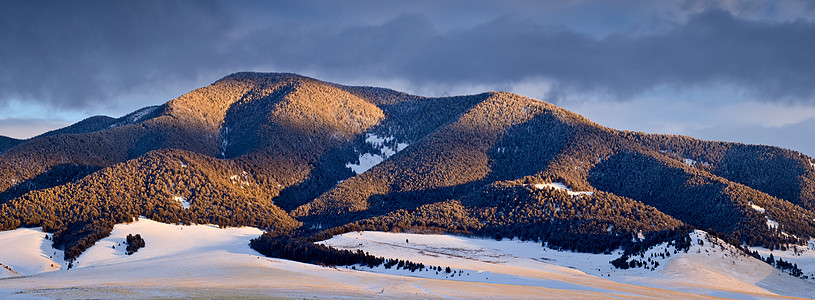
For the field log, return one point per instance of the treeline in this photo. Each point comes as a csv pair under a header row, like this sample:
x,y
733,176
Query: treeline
x,y
678,238
287,246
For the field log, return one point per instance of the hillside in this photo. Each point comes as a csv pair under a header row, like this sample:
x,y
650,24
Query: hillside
x,y
709,266
506,137
307,159
7,142
203,261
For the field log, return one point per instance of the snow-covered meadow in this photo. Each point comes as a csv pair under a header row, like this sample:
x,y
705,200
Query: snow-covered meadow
x,y
709,267
209,262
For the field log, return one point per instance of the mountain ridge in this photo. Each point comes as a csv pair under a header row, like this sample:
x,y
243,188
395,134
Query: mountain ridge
x,y
289,153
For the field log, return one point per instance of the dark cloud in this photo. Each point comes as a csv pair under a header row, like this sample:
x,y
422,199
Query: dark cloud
x,y
80,54
771,59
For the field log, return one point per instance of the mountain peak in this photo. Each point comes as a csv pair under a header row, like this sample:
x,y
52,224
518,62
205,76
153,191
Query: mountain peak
x,y
263,77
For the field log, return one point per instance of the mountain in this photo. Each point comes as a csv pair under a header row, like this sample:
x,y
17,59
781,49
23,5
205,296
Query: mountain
x,y
307,159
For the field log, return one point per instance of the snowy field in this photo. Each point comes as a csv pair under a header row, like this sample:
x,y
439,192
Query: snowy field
x,y
203,261
803,256
708,268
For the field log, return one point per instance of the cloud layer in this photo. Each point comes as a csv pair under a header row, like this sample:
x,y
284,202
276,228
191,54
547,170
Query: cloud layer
x,y
75,54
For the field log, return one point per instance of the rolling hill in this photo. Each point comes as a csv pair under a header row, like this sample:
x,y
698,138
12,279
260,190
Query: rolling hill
x,y
306,159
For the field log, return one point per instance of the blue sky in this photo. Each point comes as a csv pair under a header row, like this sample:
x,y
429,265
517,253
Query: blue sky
x,y
738,70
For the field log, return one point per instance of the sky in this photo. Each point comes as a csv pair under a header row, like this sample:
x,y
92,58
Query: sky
x,y
734,70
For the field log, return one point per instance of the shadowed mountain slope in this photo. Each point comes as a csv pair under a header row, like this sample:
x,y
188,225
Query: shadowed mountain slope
x,y
7,142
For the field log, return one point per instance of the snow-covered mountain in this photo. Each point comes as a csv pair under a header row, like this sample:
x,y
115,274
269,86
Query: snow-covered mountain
x,y
305,160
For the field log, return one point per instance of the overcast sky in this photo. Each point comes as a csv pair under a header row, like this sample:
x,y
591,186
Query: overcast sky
x,y
737,70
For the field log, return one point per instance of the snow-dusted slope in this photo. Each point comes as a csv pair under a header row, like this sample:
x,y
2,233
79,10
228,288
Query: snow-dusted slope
x,y
26,251
167,241
709,268
207,262
711,264
802,256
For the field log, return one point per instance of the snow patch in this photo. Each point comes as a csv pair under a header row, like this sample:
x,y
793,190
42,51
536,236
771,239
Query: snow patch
x,y
184,203
138,115
772,224
471,259
369,160
225,142
134,117
377,141
560,186
366,162
757,208
27,251
242,179
166,240
691,162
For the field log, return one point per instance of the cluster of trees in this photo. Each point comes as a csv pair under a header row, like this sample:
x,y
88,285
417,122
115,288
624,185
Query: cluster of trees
x,y
781,264
85,211
785,265
678,238
134,242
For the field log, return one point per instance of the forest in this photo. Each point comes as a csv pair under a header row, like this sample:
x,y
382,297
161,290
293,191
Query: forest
x,y
271,150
